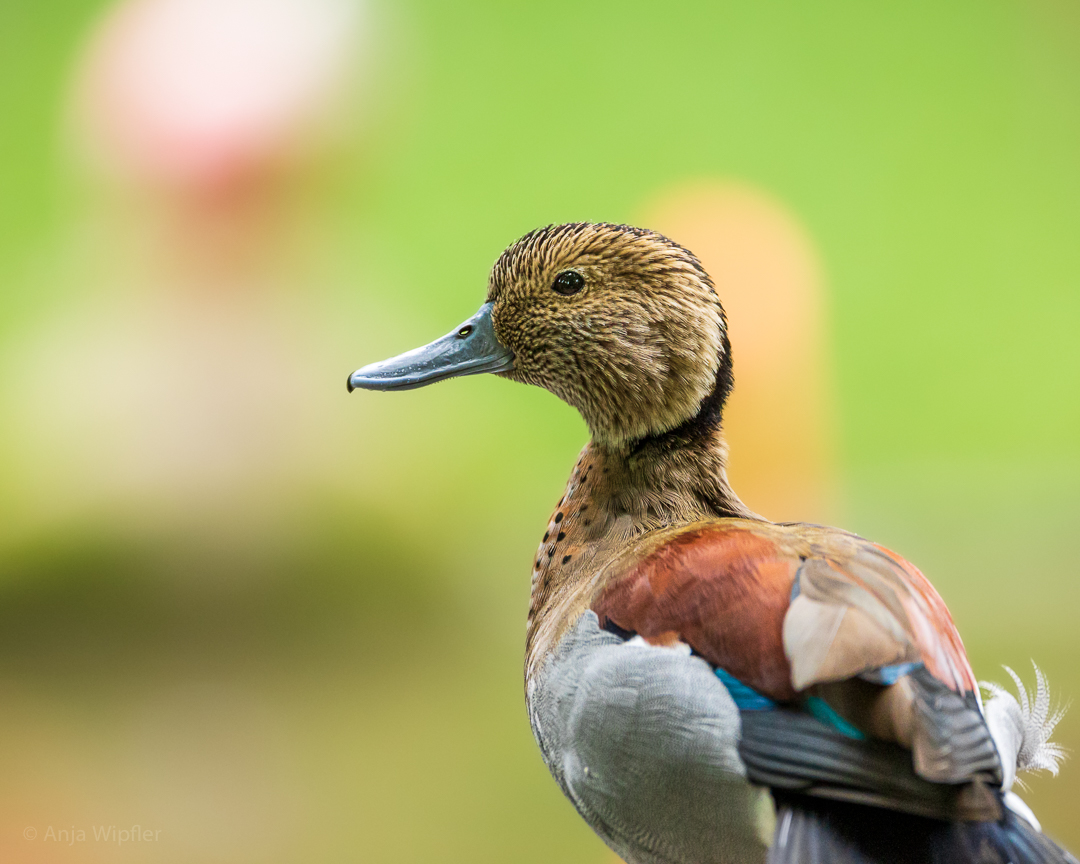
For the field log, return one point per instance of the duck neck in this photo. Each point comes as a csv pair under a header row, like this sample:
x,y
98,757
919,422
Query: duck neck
x,y
679,476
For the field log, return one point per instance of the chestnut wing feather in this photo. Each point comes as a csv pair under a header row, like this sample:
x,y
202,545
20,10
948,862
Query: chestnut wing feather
x,y
797,610
784,607
722,590
859,607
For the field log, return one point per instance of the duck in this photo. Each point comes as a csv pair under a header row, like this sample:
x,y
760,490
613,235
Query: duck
x,y
704,685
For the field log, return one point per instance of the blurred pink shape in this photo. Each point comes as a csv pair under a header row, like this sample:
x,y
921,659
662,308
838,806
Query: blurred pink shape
x,y
205,93
216,108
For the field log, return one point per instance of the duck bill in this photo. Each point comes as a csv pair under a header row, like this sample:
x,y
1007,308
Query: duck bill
x,y
470,349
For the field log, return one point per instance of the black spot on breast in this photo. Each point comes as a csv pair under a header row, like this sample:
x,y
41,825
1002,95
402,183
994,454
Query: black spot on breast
x,y
545,537
558,517
566,558
612,627
562,535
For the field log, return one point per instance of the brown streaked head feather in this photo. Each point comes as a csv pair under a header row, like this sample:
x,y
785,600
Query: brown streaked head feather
x,y
637,350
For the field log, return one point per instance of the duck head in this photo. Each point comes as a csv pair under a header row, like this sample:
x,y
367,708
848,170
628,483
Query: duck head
x,y
620,322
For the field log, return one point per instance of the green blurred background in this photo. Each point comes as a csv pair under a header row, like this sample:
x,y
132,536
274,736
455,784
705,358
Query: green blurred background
x,y
273,622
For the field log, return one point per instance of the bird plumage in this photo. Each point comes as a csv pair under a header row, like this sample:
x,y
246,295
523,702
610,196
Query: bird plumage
x,y
683,654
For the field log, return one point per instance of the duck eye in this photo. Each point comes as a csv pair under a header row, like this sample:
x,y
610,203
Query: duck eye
x,y
568,282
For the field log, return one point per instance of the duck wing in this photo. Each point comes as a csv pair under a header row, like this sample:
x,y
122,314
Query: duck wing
x,y
851,677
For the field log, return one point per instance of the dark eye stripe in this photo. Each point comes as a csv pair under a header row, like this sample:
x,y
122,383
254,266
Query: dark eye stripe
x,y
568,282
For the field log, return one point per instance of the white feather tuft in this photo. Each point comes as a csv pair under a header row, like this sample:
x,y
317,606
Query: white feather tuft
x,y
1022,729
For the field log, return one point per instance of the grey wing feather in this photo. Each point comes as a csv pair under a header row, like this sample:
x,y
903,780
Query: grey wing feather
x,y
792,750
952,742
644,741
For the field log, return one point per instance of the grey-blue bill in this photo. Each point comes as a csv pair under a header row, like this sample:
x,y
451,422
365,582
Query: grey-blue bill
x,y
470,349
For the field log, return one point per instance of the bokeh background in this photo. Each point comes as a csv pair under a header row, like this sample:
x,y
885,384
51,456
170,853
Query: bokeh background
x,y
270,622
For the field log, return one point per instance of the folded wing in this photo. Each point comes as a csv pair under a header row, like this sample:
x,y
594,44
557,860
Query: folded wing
x,y
872,698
